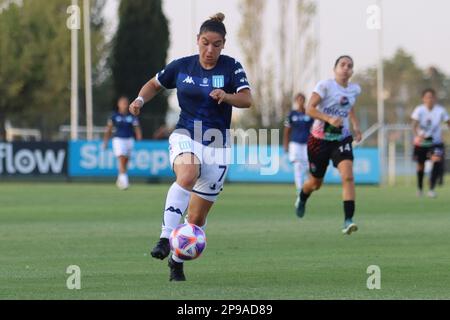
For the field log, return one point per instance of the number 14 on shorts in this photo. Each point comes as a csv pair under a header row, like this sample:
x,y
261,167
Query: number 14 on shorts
x,y
345,147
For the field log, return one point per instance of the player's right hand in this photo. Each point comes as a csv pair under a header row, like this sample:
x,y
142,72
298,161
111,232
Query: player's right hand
x,y
418,140
336,122
135,107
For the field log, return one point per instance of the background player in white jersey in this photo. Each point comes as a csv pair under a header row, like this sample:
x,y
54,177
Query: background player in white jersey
x,y
127,128
428,145
208,86
296,132
331,105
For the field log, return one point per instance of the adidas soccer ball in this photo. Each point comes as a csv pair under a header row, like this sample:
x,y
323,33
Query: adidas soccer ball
x,y
187,241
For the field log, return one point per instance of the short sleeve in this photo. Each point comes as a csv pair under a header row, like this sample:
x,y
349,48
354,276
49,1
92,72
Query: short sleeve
x,y
167,77
240,81
321,89
416,114
287,121
135,122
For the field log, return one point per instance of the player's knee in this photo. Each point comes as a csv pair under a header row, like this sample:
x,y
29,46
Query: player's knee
x,y
348,179
187,179
317,184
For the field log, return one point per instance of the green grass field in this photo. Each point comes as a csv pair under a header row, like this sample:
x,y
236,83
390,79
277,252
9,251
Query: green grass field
x,y
257,248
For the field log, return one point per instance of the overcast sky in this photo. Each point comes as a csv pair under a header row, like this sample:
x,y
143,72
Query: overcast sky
x,y
421,27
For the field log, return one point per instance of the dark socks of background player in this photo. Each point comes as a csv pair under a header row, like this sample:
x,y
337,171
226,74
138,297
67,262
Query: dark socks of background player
x,y
420,175
349,209
349,206
435,173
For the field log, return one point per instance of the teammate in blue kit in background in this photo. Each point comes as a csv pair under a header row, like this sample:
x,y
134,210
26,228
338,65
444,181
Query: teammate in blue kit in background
x,y
127,129
296,132
208,86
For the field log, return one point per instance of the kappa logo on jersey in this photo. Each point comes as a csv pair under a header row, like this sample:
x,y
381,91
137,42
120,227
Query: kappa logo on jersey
x,y
189,80
172,209
244,80
240,70
218,81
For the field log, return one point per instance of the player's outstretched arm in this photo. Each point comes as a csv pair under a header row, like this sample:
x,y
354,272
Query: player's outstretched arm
x,y
243,99
138,133
147,93
108,134
311,110
286,135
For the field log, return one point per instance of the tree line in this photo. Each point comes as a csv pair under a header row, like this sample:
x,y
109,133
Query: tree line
x,y
35,65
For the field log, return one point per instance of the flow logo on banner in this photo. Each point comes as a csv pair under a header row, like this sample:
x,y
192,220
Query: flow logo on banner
x,y
33,158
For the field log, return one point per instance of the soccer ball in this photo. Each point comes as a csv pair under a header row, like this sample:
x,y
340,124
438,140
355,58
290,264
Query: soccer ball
x,y
187,241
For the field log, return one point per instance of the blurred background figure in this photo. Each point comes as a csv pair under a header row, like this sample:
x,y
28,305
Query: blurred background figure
x,y
428,143
296,132
127,129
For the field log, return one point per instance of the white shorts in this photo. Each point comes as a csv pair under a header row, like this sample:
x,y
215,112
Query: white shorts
x,y
122,147
214,164
298,152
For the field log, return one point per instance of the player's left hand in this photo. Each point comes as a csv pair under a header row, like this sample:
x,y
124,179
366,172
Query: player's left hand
x,y
358,136
218,95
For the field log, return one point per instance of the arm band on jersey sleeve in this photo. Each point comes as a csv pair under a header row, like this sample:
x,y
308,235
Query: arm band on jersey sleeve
x,y
159,82
242,88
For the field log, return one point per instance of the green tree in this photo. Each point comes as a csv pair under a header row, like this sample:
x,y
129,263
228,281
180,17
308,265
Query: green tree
x,y
35,62
139,52
404,83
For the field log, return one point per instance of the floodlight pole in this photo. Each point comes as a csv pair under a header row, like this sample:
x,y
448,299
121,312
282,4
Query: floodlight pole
x,y
380,100
193,23
74,82
88,69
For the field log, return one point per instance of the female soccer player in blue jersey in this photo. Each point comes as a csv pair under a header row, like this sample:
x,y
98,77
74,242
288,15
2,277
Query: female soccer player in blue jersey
x,y
331,105
296,132
208,86
127,128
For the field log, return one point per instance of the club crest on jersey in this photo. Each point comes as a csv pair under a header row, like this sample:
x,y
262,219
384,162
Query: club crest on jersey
x,y
218,81
344,101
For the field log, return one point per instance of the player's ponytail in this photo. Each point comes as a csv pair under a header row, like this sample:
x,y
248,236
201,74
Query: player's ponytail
x,y
214,24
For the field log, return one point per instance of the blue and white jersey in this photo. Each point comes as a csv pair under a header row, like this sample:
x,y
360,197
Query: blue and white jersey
x,y
194,84
300,124
124,124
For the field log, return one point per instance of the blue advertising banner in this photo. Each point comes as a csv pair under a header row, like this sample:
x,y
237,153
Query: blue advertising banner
x,y
151,159
366,167
89,159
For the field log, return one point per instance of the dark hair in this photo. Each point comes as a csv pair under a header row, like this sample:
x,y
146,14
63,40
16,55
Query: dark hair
x,y
300,95
428,90
214,24
343,57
